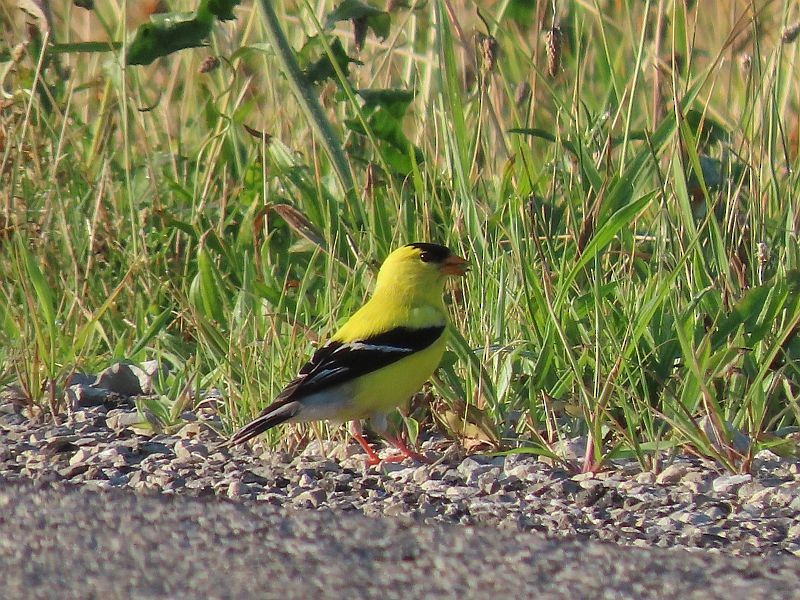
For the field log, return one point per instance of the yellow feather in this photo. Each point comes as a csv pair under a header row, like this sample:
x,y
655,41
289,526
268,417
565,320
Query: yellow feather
x,y
408,293
385,389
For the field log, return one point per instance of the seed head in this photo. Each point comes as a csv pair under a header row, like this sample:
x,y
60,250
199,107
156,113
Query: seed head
x,y
489,50
209,64
745,63
18,52
552,44
523,93
763,253
790,32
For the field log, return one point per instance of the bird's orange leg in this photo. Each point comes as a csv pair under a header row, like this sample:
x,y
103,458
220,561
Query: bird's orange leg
x,y
372,457
405,452
355,431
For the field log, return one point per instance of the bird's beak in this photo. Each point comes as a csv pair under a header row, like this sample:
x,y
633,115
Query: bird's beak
x,y
454,265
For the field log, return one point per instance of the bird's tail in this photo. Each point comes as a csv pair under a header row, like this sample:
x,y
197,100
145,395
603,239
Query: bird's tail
x,y
273,415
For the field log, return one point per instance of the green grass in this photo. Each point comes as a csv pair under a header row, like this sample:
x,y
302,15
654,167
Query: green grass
x,y
633,221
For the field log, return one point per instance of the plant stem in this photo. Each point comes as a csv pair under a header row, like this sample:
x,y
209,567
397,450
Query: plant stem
x,y
307,98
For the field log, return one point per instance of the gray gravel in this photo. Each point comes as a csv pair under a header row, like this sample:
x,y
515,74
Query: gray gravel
x,y
687,504
63,542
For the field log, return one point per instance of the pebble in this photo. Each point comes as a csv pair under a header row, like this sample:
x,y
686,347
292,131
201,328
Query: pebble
x,y
730,483
80,456
526,471
671,475
689,503
311,498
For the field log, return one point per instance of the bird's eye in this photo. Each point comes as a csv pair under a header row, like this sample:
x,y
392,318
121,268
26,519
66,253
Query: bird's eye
x,y
425,256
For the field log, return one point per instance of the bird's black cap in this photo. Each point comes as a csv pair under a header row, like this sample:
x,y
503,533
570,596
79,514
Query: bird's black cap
x,y
431,252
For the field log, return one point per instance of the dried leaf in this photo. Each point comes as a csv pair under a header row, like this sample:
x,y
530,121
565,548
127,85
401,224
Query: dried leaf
x,y
39,10
299,223
469,424
259,135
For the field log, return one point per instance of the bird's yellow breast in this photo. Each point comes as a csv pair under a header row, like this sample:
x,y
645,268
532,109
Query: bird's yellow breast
x,y
388,387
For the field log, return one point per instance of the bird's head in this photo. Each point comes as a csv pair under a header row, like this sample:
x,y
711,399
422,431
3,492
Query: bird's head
x,y
420,267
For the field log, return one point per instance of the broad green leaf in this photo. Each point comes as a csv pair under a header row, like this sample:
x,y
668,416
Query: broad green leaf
x,y
706,129
165,34
394,101
353,10
317,65
222,9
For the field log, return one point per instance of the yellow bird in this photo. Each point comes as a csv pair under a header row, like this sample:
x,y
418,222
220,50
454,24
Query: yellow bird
x,y
384,353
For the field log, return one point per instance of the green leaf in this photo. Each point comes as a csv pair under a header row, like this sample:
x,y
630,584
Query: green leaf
x,y
603,236
412,425
318,64
353,10
44,295
155,327
534,132
222,9
452,99
394,146
522,12
756,312
205,288
79,47
165,34
546,136
384,111
257,47
44,319
395,102
705,129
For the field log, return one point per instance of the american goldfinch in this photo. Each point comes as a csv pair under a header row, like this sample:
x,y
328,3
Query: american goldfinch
x,y
383,354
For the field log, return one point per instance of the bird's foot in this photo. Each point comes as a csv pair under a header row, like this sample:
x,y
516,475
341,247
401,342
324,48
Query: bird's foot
x,y
405,452
372,457
396,458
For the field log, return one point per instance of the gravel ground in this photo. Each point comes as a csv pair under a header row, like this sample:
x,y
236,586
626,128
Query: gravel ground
x,y
688,503
63,542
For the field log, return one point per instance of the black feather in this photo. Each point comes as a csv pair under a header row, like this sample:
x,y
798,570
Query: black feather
x,y
338,362
276,413
431,252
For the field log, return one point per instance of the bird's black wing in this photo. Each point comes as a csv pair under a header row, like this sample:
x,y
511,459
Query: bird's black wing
x,y
338,362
